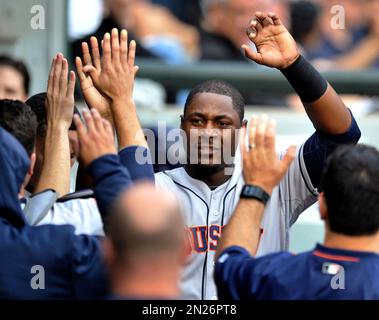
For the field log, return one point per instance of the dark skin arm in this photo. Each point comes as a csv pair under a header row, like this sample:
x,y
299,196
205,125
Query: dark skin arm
x,y
276,48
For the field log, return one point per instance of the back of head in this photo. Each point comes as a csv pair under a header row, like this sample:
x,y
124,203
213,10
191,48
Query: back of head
x,y
18,119
351,187
222,88
146,225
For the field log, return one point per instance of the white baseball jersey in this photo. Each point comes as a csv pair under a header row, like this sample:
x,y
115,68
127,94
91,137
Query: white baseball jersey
x,y
83,214
207,211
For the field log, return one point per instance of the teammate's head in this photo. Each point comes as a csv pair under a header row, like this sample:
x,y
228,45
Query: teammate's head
x,y
146,238
350,184
37,104
212,113
14,79
19,120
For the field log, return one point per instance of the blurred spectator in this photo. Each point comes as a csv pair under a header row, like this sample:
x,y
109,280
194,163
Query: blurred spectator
x,y
157,31
353,46
187,11
14,79
145,251
225,23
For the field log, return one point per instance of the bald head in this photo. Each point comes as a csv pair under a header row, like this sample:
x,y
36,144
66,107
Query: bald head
x,y
146,222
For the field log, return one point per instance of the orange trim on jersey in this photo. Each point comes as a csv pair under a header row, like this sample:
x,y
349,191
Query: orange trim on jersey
x,y
333,257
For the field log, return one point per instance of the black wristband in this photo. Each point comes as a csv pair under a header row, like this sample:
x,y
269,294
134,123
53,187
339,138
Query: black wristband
x,y
250,191
308,83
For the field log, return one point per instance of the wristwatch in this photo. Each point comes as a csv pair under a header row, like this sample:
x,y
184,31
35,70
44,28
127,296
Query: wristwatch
x,y
250,191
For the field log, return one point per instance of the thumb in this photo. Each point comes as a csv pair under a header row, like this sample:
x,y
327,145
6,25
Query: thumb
x,y
91,70
251,54
288,158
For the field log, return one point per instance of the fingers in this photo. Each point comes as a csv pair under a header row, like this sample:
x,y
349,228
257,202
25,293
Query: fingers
x,y
288,158
275,18
79,69
132,54
97,121
252,131
115,47
80,129
270,136
124,47
107,57
252,55
95,53
57,74
261,133
87,60
50,81
89,121
71,85
264,19
63,77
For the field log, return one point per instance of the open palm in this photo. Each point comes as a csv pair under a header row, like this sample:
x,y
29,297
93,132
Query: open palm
x,y
276,47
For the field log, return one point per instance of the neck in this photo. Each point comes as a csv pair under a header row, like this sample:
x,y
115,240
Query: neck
x,y
152,281
361,243
213,177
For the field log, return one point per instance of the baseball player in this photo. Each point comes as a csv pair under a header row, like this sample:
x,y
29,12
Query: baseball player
x,y
214,111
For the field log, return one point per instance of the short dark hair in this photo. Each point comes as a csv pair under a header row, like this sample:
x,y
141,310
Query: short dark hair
x,y
222,88
37,103
20,67
350,184
19,120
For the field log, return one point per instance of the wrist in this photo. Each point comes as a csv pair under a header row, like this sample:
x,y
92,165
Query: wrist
x,y
256,192
57,127
290,62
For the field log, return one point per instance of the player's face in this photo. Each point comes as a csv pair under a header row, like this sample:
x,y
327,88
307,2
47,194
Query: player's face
x,y
11,84
210,124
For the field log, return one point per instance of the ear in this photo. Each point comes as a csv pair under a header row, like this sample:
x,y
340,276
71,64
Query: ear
x,y
244,124
322,207
181,121
33,158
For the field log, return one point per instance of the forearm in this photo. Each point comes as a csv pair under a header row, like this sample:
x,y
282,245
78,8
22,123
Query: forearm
x,y
55,172
138,161
244,227
360,57
324,107
128,128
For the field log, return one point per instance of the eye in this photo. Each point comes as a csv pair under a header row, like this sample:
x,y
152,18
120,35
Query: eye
x,y
224,124
196,122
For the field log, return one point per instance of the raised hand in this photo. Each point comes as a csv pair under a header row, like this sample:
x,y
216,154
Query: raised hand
x,y
276,47
60,94
261,165
113,74
92,96
96,139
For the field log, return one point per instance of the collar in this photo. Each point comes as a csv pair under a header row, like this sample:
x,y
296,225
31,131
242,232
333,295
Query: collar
x,y
341,254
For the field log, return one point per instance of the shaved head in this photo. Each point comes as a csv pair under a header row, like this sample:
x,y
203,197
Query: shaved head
x,y
147,222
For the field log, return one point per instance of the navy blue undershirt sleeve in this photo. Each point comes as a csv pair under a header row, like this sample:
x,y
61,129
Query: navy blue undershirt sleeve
x,y
110,179
240,276
138,171
320,145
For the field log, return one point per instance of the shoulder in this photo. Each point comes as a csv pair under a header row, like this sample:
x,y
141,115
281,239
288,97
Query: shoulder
x,y
170,177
